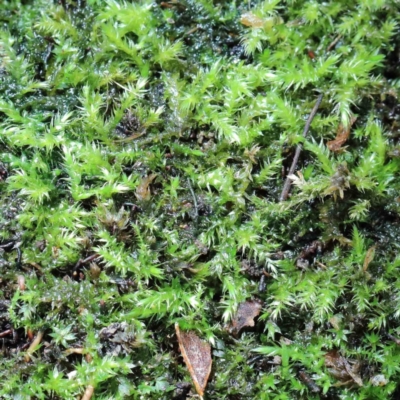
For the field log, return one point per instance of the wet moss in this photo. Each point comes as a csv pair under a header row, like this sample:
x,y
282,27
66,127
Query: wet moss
x,y
144,147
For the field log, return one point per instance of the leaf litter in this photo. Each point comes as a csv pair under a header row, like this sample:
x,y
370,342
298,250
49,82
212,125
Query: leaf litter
x,y
197,356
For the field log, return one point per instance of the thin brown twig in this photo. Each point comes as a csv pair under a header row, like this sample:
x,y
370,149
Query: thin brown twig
x,y
190,31
84,261
334,43
6,333
288,182
37,266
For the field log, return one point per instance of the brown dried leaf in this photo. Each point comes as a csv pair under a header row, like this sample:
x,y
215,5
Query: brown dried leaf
x,y
339,367
197,356
342,135
143,190
249,19
369,257
245,315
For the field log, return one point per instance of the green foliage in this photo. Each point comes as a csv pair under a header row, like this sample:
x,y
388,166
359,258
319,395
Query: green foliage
x,y
142,147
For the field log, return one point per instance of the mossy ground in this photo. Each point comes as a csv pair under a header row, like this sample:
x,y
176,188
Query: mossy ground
x,y
143,150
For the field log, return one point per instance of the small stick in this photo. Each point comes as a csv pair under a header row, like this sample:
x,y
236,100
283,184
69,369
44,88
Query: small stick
x,y
88,393
6,333
190,31
84,261
23,347
288,182
334,43
132,137
37,266
33,346
395,339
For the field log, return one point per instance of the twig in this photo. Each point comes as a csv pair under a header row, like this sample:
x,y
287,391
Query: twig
x,y
37,266
190,31
33,346
6,333
395,339
84,261
132,137
23,347
288,182
88,393
334,43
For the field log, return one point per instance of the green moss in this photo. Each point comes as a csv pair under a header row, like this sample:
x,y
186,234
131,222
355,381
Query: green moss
x,y
142,147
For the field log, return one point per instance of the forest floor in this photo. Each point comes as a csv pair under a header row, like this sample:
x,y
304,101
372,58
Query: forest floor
x,y
145,231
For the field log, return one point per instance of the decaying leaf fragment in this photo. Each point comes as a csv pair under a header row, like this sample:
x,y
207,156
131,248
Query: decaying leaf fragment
x,y
253,21
245,315
197,356
369,257
249,19
346,372
342,135
143,190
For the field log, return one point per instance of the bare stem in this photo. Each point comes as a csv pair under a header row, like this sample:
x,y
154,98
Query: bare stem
x,y
288,182
33,346
88,393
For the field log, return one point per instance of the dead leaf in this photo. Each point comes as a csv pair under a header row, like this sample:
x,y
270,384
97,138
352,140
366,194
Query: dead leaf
x,y
143,191
245,315
249,19
342,135
342,369
197,356
369,257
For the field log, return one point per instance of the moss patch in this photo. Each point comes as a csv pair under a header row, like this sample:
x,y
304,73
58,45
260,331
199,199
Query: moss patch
x,y
143,150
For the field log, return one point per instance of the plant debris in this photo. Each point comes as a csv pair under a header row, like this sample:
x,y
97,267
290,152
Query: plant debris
x,y
245,315
342,136
345,371
368,258
143,190
197,356
144,148
249,19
